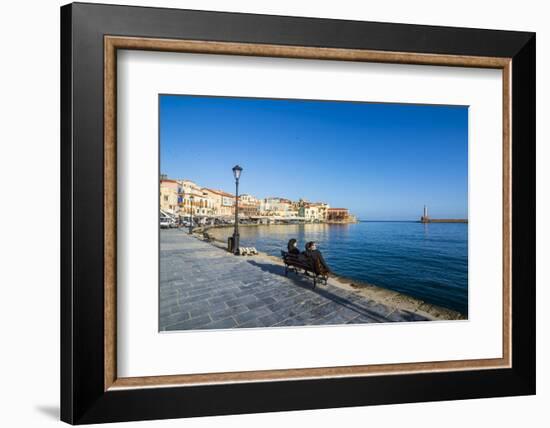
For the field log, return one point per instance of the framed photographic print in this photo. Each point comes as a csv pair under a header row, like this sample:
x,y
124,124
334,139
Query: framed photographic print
x,y
265,213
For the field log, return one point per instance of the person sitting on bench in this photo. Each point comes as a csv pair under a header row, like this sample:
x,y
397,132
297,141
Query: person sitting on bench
x,y
292,247
315,255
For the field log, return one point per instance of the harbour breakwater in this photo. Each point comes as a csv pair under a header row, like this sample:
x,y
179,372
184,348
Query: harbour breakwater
x,y
427,219
443,220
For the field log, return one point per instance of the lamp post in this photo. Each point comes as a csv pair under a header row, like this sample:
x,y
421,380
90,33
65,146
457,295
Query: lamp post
x,y
237,174
191,198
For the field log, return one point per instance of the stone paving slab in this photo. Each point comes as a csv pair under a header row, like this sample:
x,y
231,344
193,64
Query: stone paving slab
x,y
205,287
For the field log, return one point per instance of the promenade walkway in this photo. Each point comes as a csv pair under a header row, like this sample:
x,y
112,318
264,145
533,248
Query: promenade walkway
x,y
205,287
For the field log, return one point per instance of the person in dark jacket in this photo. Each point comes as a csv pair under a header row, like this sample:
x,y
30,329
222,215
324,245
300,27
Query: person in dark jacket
x,y
315,255
292,247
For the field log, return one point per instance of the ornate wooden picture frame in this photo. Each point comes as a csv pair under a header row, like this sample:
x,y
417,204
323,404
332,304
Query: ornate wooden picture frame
x,y
91,390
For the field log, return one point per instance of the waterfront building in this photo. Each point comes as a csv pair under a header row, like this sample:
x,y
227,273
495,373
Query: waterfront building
x,y
323,211
203,204
169,195
296,205
249,206
223,202
289,215
339,215
313,211
269,204
249,199
284,204
190,187
248,210
265,208
280,205
176,195
308,212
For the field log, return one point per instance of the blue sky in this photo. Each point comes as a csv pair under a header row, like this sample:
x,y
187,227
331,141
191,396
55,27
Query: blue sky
x,y
382,161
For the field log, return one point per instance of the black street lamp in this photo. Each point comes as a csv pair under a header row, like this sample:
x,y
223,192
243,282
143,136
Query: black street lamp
x,y
191,218
237,174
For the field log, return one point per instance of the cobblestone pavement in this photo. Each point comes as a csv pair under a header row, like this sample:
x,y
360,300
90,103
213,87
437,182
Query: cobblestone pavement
x,y
205,287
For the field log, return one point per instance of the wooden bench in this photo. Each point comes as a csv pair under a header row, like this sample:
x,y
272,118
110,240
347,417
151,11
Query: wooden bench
x,y
299,261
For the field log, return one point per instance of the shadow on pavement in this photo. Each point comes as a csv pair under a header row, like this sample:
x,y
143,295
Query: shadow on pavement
x,y
306,284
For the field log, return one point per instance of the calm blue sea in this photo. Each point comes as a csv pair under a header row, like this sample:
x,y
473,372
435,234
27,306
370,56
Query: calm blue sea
x,y
428,261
